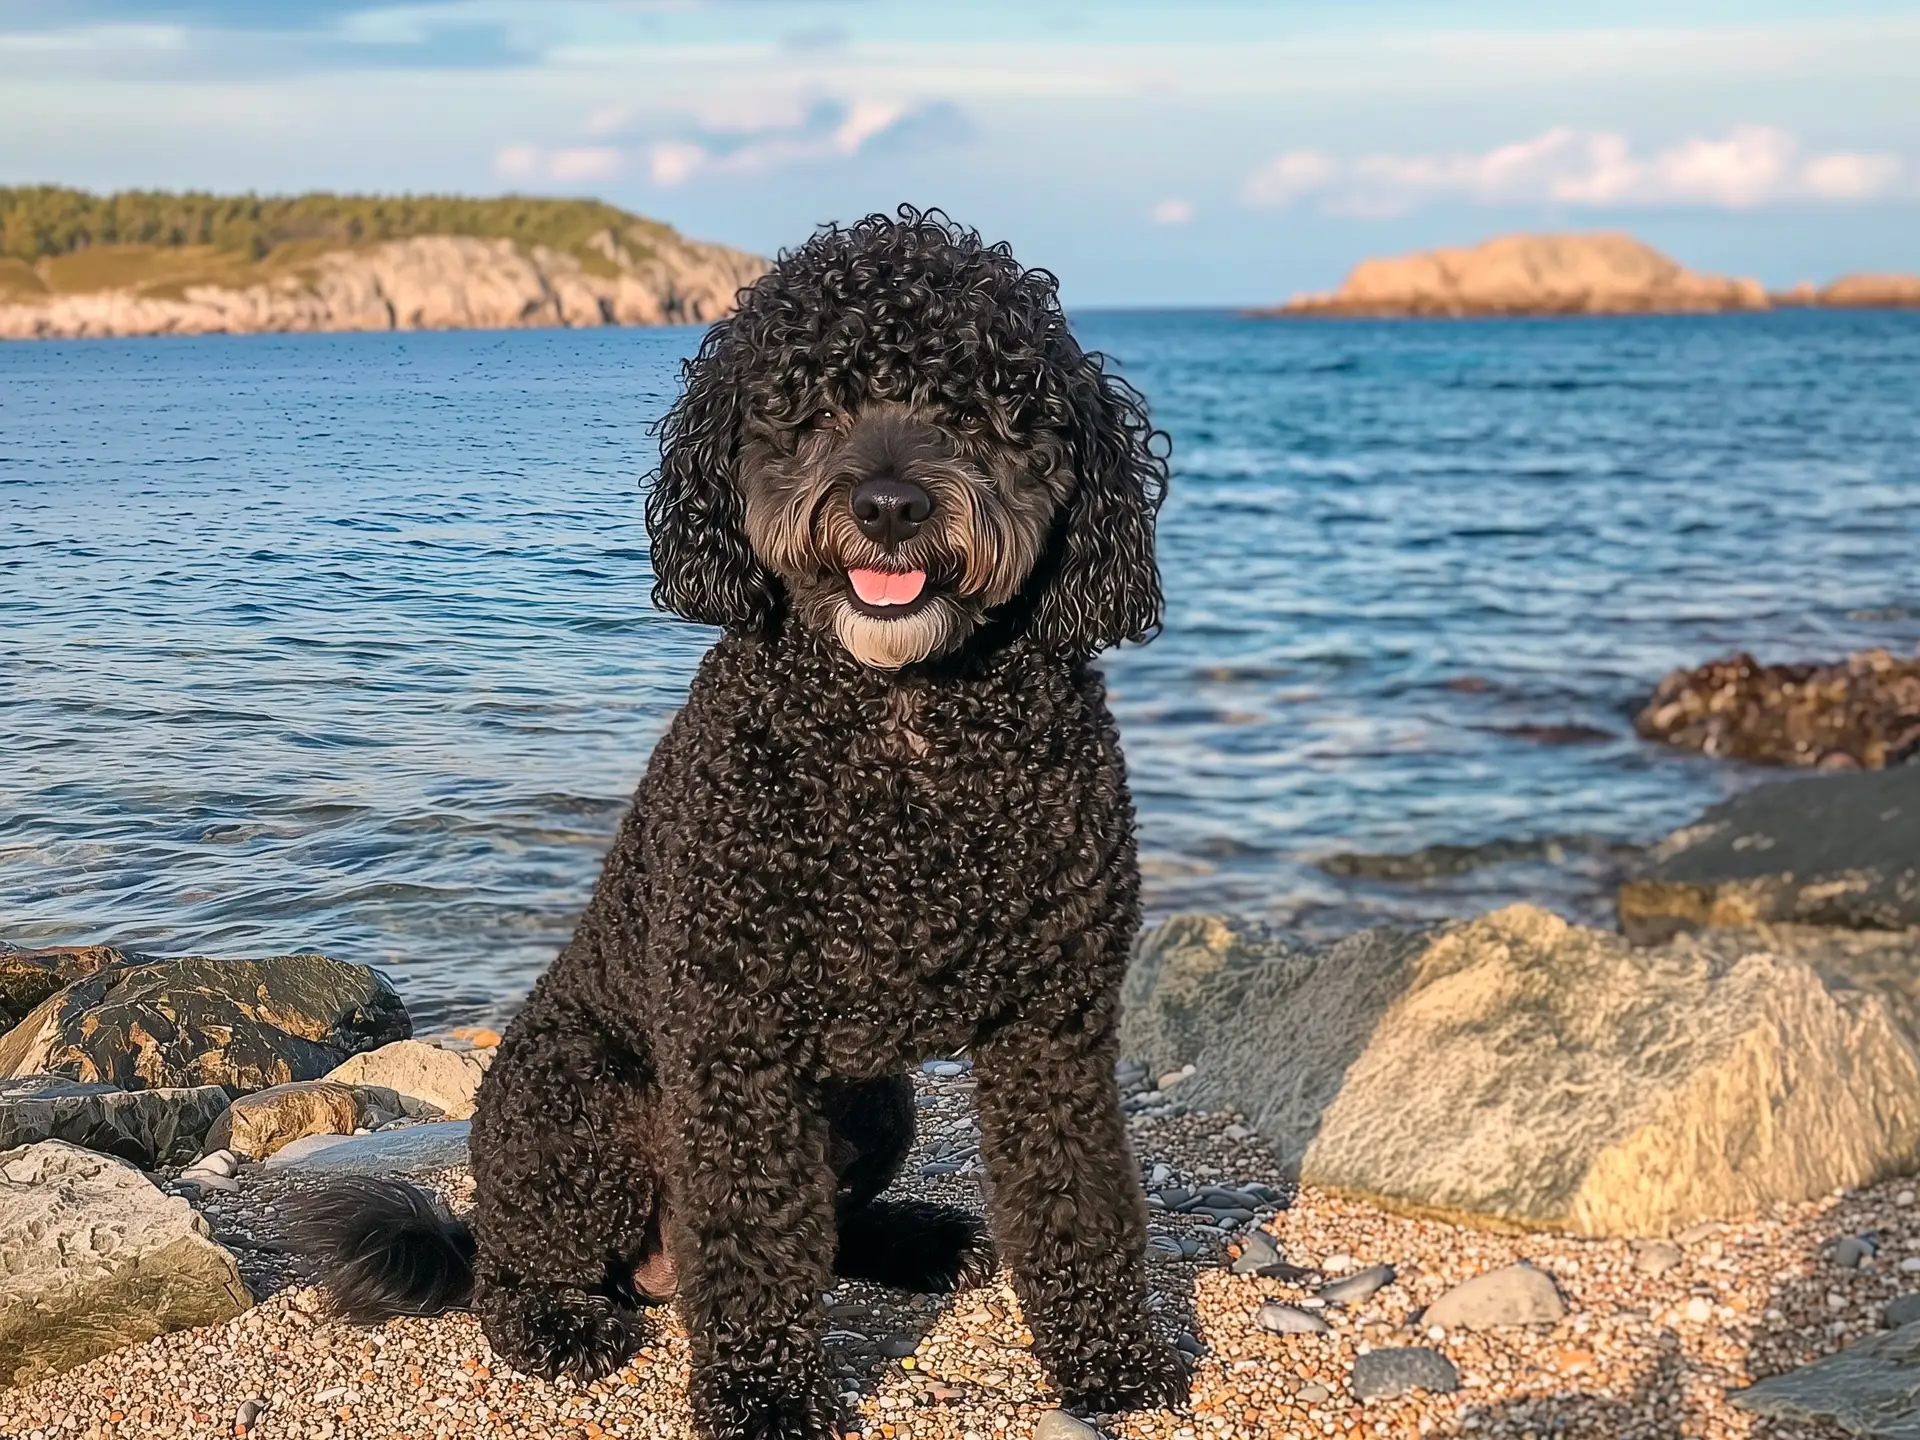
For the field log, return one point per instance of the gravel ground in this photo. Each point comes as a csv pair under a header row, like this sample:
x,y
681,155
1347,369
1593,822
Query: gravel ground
x,y
1638,1356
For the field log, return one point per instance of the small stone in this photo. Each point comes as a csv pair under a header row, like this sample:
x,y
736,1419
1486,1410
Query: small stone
x,y
1172,1078
1385,1374
1357,1287
1656,1257
1189,1345
1165,1245
1512,1295
947,1069
941,1167
209,1180
1904,1198
1161,1177
1237,1133
1911,1265
1281,1319
1313,1394
898,1347
220,1162
1058,1425
1850,1250
1705,1230
1698,1310
1339,1264
1257,1251
249,1412
1177,1199
1901,1310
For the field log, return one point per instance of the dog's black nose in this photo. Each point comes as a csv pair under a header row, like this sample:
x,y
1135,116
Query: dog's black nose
x,y
890,510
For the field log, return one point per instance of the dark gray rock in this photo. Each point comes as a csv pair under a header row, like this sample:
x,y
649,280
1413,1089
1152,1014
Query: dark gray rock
x,y
1385,1374
28,977
1901,1310
244,1024
1827,850
1360,1286
1849,1251
145,1127
1870,1388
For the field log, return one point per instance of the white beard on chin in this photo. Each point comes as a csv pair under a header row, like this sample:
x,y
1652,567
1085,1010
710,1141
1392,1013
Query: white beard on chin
x,y
891,644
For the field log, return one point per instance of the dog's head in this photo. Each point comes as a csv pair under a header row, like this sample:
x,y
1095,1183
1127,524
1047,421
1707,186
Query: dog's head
x,y
896,439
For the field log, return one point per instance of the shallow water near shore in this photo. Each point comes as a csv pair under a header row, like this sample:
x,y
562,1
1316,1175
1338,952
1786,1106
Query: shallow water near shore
x,y
343,641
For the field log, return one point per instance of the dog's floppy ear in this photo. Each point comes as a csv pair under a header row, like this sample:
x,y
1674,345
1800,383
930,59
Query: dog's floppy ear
x,y
703,568
1104,586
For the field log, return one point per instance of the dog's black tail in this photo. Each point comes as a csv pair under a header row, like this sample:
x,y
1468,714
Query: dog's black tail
x,y
384,1250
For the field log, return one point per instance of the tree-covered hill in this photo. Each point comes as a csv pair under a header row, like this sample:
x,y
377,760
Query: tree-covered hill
x,y
43,221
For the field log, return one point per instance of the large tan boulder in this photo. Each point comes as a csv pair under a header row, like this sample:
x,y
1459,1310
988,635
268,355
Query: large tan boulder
x,y
1872,292
423,1075
1604,273
243,1024
93,1258
1519,1071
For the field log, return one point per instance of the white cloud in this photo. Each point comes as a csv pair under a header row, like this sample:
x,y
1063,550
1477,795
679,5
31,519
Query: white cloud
x,y
531,163
747,142
1750,165
1172,212
1285,178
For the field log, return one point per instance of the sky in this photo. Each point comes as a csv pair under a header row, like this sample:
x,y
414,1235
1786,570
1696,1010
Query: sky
x,y
1186,152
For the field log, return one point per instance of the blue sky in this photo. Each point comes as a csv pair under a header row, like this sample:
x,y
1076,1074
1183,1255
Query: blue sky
x,y
1200,152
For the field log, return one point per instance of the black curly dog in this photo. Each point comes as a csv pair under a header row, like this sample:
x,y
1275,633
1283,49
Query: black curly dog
x,y
892,822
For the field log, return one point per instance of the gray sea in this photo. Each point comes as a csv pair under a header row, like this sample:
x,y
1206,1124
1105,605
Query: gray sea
x,y
343,641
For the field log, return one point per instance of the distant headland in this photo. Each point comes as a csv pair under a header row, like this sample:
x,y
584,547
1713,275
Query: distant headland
x,y
74,264
1604,273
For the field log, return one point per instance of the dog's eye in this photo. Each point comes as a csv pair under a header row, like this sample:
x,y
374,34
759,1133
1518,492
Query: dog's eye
x,y
825,416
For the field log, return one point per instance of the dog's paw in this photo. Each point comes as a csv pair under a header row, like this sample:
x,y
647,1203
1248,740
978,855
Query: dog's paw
x,y
765,1405
554,1330
914,1245
1145,1375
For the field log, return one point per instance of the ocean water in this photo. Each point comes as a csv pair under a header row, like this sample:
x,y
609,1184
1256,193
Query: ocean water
x,y
344,642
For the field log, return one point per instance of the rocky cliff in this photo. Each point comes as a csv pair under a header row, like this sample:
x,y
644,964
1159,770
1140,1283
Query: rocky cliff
x,y
1596,274
424,282
1857,292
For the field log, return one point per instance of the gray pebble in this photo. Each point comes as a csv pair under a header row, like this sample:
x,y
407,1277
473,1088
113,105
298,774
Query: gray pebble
x,y
1176,1198
1290,1320
1902,1310
898,1347
1161,1177
1225,1216
1850,1250
208,1180
1189,1248
1656,1257
1384,1374
947,1069
1189,1345
1359,1286
941,1167
1165,1245
248,1413
1058,1425
1256,1251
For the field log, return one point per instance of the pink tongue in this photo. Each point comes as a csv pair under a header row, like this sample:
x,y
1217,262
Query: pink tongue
x,y
888,587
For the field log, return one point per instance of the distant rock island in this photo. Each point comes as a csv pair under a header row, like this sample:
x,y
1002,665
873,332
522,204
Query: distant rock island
x,y
76,265
1604,273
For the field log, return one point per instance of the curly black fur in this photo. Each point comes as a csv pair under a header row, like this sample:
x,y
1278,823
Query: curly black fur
x,y
385,1249
875,833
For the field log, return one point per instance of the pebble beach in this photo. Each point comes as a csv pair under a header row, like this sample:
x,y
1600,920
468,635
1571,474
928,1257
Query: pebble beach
x,y
1653,1335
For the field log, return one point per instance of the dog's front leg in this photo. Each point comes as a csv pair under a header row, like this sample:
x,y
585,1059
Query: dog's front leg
x,y
752,1232
1070,1216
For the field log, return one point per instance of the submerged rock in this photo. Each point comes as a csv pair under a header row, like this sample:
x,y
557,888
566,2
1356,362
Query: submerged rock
x,y
1832,850
1862,713
244,1024
147,1127
1604,273
1520,1071
93,1257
